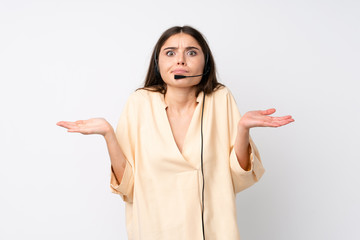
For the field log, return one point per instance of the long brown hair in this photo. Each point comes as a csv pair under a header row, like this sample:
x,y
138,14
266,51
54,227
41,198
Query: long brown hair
x,y
208,83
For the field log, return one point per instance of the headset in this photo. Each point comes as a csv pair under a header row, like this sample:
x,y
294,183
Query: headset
x,y
206,71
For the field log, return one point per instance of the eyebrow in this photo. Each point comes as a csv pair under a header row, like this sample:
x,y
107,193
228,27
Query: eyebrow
x,y
187,48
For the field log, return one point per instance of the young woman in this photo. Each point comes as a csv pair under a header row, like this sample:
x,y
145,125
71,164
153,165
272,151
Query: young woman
x,y
181,151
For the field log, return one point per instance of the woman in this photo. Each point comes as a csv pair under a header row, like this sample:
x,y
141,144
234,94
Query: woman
x,y
181,150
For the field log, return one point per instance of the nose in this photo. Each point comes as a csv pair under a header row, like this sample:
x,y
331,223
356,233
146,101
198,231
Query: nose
x,y
181,60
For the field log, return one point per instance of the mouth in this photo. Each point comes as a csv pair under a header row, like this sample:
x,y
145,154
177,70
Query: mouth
x,y
179,71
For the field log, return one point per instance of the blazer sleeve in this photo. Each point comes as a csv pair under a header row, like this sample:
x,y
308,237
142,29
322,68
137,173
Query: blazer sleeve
x,y
126,134
241,179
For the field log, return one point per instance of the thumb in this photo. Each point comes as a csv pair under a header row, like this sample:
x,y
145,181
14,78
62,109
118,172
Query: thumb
x,y
268,111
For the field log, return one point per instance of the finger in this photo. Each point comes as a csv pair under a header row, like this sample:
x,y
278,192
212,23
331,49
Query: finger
x,y
284,117
283,123
61,124
281,118
280,123
74,130
67,124
64,122
268,111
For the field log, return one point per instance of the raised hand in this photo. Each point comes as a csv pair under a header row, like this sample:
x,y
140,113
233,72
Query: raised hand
x,y
90,126
261,118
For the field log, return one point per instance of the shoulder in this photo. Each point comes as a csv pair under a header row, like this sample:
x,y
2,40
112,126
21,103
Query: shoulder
x,y
146,95
221,92
141,97
222,99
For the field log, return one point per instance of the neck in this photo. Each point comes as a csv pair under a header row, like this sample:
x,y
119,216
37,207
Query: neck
x,y
180,100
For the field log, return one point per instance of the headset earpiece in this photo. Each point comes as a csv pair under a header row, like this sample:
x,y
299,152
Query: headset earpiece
x,y
156,64
207,65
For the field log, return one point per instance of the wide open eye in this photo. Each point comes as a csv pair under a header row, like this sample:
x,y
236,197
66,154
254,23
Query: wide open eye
x,y
170,53
192,53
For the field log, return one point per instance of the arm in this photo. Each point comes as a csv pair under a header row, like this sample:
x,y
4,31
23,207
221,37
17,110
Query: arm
x,y
120,143
254,119
117,158
245,161
242,148
102,127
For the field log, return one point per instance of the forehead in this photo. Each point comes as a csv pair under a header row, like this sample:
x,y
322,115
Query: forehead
x,y
181,40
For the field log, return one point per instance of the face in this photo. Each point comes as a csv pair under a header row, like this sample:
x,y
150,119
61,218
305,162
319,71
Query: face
x,y
181,54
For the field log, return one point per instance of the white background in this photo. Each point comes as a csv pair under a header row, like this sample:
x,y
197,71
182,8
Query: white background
x,y
70,60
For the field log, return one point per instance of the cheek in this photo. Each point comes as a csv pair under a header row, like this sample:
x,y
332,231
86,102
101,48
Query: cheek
x,y
164,64
164,67
198,64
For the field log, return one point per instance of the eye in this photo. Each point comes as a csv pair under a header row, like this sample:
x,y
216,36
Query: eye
x,y
170,53
192,53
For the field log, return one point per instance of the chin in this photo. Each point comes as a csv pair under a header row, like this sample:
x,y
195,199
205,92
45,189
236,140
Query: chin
x,y
182,87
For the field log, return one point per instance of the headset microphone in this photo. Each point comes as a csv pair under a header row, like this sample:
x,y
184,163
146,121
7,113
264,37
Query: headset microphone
x,y
182,76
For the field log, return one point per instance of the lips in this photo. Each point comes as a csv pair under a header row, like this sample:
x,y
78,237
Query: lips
x,y
179,71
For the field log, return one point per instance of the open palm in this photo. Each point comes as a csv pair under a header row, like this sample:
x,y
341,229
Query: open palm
x,y
90,126
261,118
